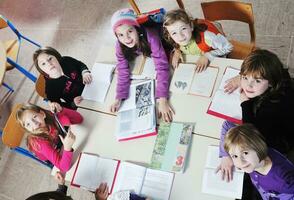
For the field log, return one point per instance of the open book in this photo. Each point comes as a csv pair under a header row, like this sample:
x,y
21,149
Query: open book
x,y
224,105
92,170
171,146
212,183
136,116
186,81
101,79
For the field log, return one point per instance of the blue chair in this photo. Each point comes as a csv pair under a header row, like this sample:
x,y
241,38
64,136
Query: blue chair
x,y
12,136
13,48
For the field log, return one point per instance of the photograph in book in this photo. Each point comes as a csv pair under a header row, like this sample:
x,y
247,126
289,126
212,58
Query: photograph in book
x,y
224,105
171,146
136,117
212,182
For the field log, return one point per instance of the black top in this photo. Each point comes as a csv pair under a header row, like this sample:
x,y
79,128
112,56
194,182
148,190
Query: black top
x,y
274,118
65,88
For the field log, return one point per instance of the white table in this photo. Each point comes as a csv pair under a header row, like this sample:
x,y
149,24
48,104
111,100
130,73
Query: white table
x,y
96,135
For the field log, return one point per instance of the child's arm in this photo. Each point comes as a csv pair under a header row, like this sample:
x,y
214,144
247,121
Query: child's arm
x,y
220,44
123,78
176,57
68,117
62,160
161,63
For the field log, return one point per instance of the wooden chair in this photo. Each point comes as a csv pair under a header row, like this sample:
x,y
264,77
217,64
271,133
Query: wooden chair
x,y
237,11
13,134
13,48
40,86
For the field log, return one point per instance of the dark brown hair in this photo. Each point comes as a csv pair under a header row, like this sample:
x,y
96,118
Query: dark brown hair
x,y
130,53
49,51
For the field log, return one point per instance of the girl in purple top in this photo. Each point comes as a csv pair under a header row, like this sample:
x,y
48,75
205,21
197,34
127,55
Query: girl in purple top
x,y
134,40
270,172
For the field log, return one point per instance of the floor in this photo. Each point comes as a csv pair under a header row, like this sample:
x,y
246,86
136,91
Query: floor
x,y
78,28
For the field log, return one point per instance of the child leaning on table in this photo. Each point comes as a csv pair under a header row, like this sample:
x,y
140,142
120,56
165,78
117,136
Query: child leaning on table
x,y
270,172
64,77
45,139
194,38
134,40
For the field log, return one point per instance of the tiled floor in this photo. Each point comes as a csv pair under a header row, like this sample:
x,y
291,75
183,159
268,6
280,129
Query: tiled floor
x,y
78,28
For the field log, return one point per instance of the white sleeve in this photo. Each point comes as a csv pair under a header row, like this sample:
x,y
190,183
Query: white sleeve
x,y
220,44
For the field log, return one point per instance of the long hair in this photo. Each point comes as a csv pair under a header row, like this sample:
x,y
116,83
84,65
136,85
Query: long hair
x,y
49,51
265,64
181,15
42,133
130,53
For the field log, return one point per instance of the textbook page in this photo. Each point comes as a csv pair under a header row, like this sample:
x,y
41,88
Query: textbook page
x,y
212,183
101,79
157,184
182,78
129,177
226,105
93,170
203,82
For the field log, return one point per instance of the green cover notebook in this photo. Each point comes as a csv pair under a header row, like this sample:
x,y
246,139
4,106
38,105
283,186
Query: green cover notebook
x,y
171,146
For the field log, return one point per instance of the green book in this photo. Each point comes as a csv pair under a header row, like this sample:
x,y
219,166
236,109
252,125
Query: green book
x,y
171,146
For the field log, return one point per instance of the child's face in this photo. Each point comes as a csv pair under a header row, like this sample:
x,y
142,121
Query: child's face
x,y
180,32
253,86
33,121
50,65
245,159
127,35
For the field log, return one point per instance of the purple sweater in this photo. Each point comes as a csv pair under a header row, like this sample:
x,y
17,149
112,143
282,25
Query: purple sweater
x,y
161,66
279,182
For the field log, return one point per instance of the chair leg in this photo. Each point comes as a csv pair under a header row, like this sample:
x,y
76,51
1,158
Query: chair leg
x,y
22,70
8,93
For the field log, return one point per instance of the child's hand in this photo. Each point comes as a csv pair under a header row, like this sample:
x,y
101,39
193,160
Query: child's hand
x,y
55,107
226,168
87,78
115,106
201,64
68,140
176,58
78,100
243,96
232,84
102,192
164,110
60,178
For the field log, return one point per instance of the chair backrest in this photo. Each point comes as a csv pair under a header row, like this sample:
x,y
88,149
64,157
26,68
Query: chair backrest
x,y
3,23
230,10
13,132
40,86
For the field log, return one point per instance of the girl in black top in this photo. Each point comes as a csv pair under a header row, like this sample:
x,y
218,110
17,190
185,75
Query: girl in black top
x,y
65,77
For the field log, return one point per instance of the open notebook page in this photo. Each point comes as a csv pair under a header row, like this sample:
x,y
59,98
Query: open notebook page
x,y
157,184
129,177
93,170
212,183
182,78
203,82
101,79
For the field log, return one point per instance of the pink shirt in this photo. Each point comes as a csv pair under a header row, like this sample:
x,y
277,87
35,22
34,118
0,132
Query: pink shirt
x,y
47,151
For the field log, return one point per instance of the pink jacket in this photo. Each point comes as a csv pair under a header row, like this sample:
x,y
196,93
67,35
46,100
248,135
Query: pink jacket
x,y
47,151
161,66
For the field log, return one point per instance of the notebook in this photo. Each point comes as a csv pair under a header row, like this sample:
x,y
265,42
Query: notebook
x,y
101,79
92,170
171,146
212,183
224,105
186,81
